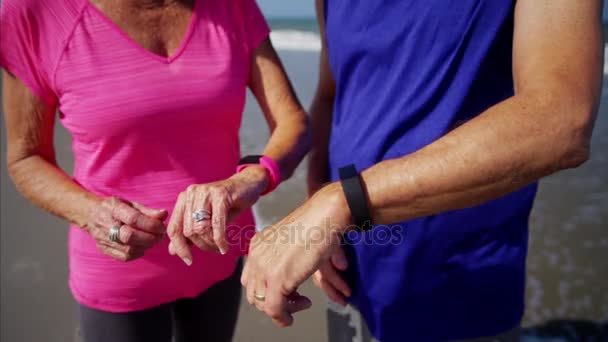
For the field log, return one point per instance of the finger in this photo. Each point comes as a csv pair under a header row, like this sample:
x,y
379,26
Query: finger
x,y
204,242
332,293
218,223
250,290
113,252
159,214
131,236
179,245
129,249
201,202
331,276
297,303
135,218
276,307
244,274
259,291
339,260
187,214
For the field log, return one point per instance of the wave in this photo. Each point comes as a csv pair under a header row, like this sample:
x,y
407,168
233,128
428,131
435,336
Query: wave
x,y
310,41
296,40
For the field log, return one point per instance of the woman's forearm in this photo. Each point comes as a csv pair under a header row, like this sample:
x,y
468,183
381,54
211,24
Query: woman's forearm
x,y
51,189
31,156
289,142
289,134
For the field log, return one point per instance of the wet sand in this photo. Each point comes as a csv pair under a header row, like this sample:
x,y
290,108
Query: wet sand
x,y
568,259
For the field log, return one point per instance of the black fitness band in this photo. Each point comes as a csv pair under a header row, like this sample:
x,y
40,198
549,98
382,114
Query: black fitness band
x,y
250,160
355,197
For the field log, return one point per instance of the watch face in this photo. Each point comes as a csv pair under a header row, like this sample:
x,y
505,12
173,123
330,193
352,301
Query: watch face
x,y
250,160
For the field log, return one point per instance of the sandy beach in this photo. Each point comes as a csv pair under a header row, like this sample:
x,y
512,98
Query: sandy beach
x,y
568,257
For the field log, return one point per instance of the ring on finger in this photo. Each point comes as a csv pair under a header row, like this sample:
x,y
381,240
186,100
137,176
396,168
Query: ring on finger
x,y
201,215
114,234
258,297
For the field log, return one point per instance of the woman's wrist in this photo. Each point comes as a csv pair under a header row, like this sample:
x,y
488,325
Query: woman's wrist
x,y
255,175
88,204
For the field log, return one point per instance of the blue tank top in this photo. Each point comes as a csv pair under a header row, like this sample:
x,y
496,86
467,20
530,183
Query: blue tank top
x,y
408,72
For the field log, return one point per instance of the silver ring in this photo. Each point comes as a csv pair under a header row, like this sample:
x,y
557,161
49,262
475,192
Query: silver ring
x,y
201,215
115,234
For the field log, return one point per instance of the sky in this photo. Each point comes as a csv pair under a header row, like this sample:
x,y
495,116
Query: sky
x,y
288,8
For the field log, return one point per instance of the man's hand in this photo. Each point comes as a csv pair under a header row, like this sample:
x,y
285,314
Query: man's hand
x,y
328,278
283,256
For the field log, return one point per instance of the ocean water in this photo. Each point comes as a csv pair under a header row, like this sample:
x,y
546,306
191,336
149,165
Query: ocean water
x,y
567,288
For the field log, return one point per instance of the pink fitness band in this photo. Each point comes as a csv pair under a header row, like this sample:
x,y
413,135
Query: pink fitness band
x,y
270,165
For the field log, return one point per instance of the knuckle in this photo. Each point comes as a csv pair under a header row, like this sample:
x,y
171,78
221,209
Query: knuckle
x,y
131,218
220,192
127,236
128,250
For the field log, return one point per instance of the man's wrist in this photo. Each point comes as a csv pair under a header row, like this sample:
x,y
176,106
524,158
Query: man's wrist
x,y
341,220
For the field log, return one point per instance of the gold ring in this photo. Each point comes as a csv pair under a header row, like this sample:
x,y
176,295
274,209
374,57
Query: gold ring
x,y
259,297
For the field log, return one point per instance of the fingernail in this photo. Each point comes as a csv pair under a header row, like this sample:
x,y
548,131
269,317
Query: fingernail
x,y
188,261
223,251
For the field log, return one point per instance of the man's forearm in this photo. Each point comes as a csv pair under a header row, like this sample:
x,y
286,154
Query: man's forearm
x,y
509,146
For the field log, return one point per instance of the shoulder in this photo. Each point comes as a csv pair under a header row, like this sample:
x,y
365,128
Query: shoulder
x,y
33,33
41,17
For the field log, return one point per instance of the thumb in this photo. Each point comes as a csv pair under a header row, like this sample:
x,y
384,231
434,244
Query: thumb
x,y
159,214
338,259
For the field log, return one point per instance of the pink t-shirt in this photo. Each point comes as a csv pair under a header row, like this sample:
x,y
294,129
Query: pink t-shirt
x,y
144,127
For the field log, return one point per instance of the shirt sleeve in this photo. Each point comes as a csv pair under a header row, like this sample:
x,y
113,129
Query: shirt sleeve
x,y
255,24
21,49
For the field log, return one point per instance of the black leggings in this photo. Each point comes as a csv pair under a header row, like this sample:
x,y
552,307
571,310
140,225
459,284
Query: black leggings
x,y
210,317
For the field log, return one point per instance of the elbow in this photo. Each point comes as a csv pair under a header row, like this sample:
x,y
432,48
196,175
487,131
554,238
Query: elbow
x,y
564,120
575,134
304,134
577,155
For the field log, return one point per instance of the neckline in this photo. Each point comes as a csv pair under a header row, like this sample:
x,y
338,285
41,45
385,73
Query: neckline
x,y
165,59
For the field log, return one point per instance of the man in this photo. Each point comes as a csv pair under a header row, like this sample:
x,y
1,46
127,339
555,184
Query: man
x,y
452,110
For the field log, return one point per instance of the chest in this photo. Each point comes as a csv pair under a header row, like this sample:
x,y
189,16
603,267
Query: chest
x,y
158,29
108,84
407,29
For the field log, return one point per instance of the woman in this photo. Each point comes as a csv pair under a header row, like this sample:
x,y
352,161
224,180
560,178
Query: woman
x,y
152,92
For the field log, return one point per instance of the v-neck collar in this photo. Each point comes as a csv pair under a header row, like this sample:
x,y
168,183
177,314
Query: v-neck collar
x,y
168,59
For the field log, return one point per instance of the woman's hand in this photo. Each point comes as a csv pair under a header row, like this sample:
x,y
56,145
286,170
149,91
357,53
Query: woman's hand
x,y
215,204
283,256
139,227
